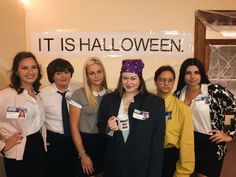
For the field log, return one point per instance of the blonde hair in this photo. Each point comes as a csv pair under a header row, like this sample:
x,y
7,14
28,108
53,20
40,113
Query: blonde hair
x,y
87,85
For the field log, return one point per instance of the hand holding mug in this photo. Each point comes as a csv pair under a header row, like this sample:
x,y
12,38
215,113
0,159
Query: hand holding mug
x,y
112,124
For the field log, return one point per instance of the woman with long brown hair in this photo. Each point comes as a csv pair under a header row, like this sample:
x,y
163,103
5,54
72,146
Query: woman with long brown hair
x,y
21,143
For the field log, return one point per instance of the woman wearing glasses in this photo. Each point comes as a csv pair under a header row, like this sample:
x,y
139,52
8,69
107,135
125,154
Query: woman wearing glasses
x,y
179,144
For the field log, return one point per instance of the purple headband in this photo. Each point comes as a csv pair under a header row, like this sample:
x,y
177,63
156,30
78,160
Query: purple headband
x,y
133,66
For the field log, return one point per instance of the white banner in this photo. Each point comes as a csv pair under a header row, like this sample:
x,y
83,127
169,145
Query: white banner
x,y
110,43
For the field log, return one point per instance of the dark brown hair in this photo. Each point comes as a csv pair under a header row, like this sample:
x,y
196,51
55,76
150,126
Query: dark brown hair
x,y
58,65
15,79
162,69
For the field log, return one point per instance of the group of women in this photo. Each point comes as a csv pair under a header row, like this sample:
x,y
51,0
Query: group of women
x,y
130,132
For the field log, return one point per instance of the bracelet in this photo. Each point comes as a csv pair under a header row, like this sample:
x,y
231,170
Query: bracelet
x,y
82,153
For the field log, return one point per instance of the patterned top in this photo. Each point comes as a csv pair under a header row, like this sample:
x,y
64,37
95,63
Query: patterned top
x,y
221,100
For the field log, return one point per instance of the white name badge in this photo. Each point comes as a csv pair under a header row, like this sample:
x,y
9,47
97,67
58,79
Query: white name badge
x,y
16,113
140,115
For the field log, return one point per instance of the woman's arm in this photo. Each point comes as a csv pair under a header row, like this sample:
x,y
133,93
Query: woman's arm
x,y
8,143
185,164
227,102
230,103
86,162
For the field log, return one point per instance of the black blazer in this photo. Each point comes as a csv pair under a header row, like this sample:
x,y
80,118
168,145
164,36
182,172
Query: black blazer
x,y
142,154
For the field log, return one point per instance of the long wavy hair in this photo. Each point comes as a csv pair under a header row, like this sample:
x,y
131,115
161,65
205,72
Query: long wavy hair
x,y
15,79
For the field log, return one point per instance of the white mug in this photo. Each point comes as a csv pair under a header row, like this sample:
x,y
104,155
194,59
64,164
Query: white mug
x,y
123,122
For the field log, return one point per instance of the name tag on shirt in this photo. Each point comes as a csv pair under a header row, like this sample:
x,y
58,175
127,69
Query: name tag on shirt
x,y
168,115
140,115
203,98
16,113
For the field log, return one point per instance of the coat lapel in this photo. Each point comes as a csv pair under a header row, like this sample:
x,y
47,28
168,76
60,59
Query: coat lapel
x,y
132,121
115,112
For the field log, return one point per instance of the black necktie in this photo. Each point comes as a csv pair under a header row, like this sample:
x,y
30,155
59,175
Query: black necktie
x,y
65,114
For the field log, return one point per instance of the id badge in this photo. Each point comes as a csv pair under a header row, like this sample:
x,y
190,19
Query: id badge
x,y
140,115
16,113
201,98
168,115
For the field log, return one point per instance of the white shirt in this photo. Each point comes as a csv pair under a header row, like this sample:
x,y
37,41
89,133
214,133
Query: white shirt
x,y
125,133
52,107
200,110
31,124
35,114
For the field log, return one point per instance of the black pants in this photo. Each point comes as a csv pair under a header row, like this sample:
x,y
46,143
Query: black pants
x,y
171,156
60,157
33,163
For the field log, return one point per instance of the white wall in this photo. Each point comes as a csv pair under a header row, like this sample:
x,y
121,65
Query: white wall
x,y
96,16
117,16
12,40
12,35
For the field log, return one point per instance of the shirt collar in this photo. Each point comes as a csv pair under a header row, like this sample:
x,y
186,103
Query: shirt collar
x,y
168,98
169,101
204,91
55,89
101,93
25,92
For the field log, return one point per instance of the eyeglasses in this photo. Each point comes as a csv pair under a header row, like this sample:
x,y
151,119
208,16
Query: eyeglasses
x,y
166,80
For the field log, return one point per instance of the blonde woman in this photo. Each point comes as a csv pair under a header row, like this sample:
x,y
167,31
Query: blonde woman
x,y
83,118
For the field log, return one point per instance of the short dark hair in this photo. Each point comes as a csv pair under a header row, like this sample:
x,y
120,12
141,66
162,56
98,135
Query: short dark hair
x,y
162,69
58,65
142,87
191,62
15,79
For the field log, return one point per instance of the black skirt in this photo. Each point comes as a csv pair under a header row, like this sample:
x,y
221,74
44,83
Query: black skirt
x,y
61,155
94,145
206,159
33,163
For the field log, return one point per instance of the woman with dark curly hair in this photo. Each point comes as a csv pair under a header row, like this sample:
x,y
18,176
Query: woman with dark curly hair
x,y
21,142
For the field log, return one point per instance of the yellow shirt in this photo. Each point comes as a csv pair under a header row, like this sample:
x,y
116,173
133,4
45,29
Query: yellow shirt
x,y
179,134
